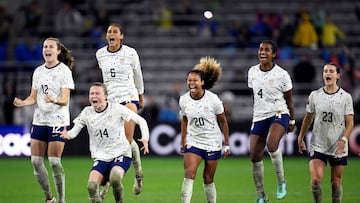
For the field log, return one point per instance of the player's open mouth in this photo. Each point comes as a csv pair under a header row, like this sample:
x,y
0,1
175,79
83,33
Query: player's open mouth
x,y
328,78
111,39
263,56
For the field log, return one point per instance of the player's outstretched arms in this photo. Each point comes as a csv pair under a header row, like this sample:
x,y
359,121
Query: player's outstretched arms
x,y
71,134
145,145
64,134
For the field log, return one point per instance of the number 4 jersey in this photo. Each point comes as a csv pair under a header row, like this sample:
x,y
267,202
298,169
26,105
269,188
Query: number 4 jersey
x,y
269,88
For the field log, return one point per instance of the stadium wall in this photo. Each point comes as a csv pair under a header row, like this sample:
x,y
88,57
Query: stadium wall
x,y
164,141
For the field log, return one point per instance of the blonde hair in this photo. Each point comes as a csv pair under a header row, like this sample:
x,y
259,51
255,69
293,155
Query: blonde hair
x,y
211,69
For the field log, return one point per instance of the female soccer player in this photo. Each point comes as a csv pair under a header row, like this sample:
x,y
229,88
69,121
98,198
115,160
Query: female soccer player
x,y
273,116
331,109
122,75
109,146
202,111
50,90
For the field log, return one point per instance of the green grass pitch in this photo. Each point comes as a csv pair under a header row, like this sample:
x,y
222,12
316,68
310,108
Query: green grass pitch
x,y
163,178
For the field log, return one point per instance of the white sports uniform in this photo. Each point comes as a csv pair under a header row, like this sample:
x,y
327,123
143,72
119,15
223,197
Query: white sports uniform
x,y
203,130
329,121
106,130
122,74
268,88
50,81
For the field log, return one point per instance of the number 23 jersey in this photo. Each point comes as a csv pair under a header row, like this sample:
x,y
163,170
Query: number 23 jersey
x,y
329,118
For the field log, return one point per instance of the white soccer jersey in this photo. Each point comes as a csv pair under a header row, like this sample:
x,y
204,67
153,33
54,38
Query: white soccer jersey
x,y
329,112
121,72
268,89
106,131
203,130
50,81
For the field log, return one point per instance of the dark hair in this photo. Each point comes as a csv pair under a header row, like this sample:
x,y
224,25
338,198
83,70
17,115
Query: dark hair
x,y
209,70
100,84
272,43
119,26
338,68
65,54
199,72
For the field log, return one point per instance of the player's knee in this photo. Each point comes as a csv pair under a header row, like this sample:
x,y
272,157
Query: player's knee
x,y
272,147
115,177
315,181
37,162
336,182
55,164
208,178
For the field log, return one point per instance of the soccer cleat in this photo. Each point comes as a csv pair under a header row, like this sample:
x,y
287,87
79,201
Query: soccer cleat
x,y
281,190
262,200
138,183
105,190
52,200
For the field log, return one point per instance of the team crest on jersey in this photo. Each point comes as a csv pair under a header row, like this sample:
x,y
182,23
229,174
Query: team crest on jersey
x,y
109,118
338,105
121,61
206,109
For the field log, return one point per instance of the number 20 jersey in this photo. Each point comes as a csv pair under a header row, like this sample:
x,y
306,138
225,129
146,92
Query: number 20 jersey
x,y
203,130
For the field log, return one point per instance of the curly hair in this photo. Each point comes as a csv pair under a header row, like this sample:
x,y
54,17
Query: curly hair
x,y
211,71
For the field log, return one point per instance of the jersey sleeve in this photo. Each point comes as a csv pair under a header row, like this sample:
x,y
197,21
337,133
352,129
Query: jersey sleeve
x,y
68,81
218,105
124,112
35,80
286,83
250,78
138,77
310,107
181,105
81,118
349,106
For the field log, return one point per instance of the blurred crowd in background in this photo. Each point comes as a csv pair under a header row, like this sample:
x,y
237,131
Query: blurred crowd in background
x,y
308,35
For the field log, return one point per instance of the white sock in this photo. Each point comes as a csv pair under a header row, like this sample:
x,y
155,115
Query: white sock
x,y
210,192
258,176
59,177
317,193
93,189
116,176
41,175
277,161
136,157
336,194
186,190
